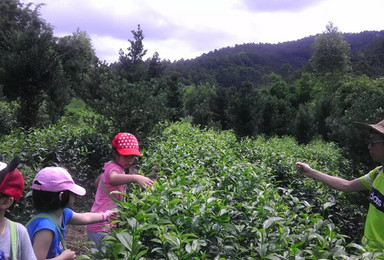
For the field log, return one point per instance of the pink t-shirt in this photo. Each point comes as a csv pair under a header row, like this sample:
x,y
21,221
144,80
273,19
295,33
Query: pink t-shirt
x,y
102,201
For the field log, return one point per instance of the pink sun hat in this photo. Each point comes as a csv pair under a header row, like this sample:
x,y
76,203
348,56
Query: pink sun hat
x,y
56,179
126,144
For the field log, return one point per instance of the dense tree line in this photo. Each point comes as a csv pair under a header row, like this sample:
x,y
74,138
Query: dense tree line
x,y
315,87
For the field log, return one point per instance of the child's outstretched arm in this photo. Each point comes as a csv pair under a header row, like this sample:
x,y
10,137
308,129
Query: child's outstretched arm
x,y
91,217
119,179
42,241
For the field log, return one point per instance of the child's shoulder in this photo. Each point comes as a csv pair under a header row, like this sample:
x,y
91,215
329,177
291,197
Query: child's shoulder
x,y
21,229
112,166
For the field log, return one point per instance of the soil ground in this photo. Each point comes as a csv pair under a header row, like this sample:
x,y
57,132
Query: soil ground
x,y
76,236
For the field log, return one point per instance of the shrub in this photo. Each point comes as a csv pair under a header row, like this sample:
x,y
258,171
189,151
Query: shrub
x,y
80,145
8,120
220,198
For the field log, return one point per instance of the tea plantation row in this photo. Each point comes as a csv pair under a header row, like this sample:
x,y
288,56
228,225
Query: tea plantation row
x,y
220,198
215,197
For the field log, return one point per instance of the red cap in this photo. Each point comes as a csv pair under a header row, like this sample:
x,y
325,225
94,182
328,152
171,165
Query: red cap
x,y
12,183
126,144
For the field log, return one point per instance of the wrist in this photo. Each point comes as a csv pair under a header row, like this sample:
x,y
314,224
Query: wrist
x,y
311,172
104,216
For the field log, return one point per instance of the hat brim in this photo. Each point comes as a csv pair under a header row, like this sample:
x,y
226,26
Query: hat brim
x,y
370,127
78,190
128,151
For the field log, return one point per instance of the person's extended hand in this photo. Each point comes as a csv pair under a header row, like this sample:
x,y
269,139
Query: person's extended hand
x,y
112,214
143,181
303,168
68,254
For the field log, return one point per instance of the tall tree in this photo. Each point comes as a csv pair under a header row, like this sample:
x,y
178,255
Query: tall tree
x,y
136,51
331,62
174,97
132,64
29,64
198,102
78,59
331,56
155,67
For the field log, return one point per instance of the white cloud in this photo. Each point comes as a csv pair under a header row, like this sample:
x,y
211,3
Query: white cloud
x,y
186,29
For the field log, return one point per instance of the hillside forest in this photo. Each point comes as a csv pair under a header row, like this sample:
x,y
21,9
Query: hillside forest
x,y
60,104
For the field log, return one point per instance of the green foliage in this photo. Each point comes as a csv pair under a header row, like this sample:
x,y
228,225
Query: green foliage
x,y
78,59
218,198
78,142
360,99
174,98
275,115
30,69
8,120
134,107
198,102
304,124
131,64
304,89
155,66
370,60
331,56
240,110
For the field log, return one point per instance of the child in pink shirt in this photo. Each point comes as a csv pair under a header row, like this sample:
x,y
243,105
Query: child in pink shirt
x,y
125,148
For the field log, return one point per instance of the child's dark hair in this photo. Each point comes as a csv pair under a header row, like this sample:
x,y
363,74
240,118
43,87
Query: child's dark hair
x,y
115,153
48,200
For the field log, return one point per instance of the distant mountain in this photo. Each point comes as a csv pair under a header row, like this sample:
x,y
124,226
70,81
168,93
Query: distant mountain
x,y
250,62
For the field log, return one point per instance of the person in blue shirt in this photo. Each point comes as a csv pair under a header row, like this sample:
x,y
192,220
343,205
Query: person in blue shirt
x,y
53,193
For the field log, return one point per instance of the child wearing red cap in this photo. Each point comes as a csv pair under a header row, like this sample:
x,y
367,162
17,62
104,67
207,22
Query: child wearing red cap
x,y
124,149
53,193
14,239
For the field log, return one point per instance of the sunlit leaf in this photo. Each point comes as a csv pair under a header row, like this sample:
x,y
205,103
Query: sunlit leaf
x,y
271,221
125,239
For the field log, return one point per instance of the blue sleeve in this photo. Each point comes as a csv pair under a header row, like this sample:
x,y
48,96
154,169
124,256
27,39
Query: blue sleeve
x,y
67,215
39,224
44,223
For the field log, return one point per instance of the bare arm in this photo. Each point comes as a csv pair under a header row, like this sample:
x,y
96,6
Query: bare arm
x,y
118,179
42,242
332,181
91,217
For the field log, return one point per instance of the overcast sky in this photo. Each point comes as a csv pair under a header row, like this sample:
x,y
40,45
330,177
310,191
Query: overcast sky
x,y
179,29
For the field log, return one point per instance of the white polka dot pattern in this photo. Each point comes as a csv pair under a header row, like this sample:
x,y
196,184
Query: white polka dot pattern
x,y
126,140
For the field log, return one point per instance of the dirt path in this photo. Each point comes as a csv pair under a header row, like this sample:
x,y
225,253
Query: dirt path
x,y
75,237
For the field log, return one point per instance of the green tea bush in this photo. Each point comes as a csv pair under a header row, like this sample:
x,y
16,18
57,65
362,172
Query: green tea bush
x,y
279,155
218,198
8,116
81,146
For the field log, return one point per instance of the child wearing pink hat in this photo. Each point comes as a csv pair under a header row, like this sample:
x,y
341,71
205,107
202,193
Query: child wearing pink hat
x,y
125,148
53,193
14,239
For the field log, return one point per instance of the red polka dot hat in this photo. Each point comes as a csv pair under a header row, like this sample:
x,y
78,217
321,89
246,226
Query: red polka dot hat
x,y
126,144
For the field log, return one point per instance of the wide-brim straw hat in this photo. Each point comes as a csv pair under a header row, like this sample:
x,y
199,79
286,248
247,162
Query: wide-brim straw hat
x,y
376,128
